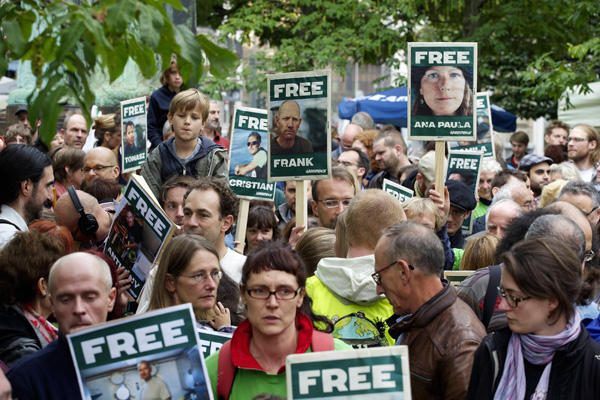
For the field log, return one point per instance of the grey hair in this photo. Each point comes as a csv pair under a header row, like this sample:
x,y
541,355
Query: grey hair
x,y
491,166
505,192
499,202
581,187
363,120
561,228
568,171
105,269
417,245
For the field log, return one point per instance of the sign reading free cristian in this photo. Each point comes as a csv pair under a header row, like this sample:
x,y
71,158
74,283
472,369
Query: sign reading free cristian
x,y
299,105
378,373
164,340
248,150
442,82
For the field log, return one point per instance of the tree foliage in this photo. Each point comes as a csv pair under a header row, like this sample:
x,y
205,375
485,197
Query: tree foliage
x,y
529,52
67,42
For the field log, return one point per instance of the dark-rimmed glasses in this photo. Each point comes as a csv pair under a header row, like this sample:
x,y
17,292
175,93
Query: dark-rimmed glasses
x,y
377,275
280,294
511,300
97,168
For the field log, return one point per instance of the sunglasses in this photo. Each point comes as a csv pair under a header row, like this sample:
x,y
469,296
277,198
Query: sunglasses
x,y
253,143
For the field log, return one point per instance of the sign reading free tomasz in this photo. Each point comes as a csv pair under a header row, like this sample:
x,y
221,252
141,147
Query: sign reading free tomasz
x,y
377,373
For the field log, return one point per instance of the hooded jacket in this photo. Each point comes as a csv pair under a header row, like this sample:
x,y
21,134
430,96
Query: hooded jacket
x,y
163,163
343,286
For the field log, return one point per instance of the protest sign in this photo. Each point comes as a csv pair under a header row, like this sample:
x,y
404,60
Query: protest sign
x,y
140,356
485,130
456,277
211,342
465,166
397,190
138,233
134,128
377,373
248,149
299,105
442,82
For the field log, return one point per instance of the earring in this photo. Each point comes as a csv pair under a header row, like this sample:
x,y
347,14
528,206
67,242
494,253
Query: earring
x,y
44,295
421,101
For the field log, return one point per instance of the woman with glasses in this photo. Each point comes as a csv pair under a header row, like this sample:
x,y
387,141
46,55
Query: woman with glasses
x,y
545,353
190,273
279,324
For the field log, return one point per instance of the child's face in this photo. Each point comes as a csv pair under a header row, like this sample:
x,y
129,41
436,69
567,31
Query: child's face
x,y
187,125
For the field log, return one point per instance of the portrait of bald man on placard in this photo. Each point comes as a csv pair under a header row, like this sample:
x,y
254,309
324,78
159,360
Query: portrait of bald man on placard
x,y
287,123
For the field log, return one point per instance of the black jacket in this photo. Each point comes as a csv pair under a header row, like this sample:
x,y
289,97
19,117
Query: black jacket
x,y
377,181
575,372
18,338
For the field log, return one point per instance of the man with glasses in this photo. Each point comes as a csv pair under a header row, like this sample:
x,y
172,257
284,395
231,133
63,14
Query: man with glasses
x,y
101,162
537,168
583,150
584,196
332,196
428,317
356,161
258,163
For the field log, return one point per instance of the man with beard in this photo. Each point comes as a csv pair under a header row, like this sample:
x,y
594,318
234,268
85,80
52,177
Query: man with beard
x,y
210,210
332,196
390,152
584,150
537,168
26,179
211,127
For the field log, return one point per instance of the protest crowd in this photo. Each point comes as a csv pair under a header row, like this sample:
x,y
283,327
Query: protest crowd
x,y
363,270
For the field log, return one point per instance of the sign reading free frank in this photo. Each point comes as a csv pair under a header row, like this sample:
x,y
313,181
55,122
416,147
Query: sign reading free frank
x,y
299,105
377,373
442,81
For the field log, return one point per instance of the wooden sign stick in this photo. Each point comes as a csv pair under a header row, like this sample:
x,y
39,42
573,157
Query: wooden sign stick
x,y
242,222
301,211
440,159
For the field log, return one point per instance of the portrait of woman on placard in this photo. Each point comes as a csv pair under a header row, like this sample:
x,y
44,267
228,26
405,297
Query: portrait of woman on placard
x,y
442,91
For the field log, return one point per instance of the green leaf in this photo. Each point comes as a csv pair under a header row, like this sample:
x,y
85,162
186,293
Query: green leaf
x,y
69,38
144,58
3,59
151,24
176,4
14,36
223,62
120,15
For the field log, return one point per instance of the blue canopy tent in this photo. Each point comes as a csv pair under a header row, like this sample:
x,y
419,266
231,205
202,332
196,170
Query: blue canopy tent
x,y
390,107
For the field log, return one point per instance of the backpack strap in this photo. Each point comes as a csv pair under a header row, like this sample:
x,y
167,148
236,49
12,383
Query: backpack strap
x,y
7,222
225,372
489,302
321,341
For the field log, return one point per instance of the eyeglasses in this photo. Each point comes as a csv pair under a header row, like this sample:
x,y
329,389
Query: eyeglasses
x,y
510,300
459,214
576,139
336,203
346,163
587,214
254,143
280,294
96,169
203,276
589,256
377,275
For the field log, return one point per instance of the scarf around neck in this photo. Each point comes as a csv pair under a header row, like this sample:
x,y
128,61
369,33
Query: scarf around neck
x,y
538,350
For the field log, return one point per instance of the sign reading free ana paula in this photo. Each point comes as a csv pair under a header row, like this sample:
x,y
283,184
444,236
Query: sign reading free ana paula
x,y
442,81
378,373
134,128
164,340
465,166
249,155
299,105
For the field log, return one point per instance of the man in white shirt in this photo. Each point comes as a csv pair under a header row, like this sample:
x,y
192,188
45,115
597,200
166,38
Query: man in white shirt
x,y
584,151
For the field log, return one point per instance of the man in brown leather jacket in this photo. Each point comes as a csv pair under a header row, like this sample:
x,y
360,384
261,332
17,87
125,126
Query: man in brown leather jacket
x,y
441,332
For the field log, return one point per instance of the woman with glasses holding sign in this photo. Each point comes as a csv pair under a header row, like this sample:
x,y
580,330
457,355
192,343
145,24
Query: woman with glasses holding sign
x,y
279,323
189,272
545,353
442,90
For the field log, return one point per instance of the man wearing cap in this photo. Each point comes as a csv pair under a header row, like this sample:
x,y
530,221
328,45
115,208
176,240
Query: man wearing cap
x,y
462,202
536,167
419,181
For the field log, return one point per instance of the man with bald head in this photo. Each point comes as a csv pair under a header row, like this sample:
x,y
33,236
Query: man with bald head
x,y
500,215
346,139
153,388
67,215
101,162
81,295
74,131
287,123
